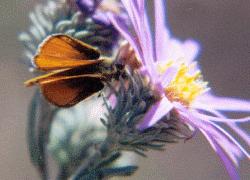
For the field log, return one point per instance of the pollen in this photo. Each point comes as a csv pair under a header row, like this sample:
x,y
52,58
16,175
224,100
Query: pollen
x,y
187,84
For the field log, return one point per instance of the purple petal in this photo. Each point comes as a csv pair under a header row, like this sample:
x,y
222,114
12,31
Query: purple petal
x,y
173,50
161,32
146,33
133,15
112,100
138,3
170,48
124,30
230,146
225,120
207,108
100,18
244,135
138,17
219,129
86,6
231,149
168,76
227,162
176,50
155,113
230,122
225,104
139,21
191,50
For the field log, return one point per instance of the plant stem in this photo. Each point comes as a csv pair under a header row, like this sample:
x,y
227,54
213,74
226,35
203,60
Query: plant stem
x,y
105,149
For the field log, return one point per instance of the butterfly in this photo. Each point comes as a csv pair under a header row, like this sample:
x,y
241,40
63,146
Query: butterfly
x,y
74,70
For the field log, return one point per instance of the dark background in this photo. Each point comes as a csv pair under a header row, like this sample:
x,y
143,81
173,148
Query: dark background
x,y
223,29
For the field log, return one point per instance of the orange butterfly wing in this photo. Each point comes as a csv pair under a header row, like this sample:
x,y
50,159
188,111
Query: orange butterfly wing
x,y
70,73
62,51
75,72
66,88
68,92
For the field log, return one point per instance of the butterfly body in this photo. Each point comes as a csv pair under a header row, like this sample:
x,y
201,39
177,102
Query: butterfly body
x,y
74,70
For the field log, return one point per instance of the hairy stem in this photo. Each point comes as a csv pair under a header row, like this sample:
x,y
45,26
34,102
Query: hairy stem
x,y
39,123
105,149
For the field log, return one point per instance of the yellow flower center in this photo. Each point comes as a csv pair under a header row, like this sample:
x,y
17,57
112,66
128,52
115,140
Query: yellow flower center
x,y
185,86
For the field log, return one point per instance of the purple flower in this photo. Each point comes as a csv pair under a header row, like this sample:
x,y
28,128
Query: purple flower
x,y
170,67
87,6
97,9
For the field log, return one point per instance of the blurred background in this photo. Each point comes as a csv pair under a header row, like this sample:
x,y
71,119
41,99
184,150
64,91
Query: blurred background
x,y
223,29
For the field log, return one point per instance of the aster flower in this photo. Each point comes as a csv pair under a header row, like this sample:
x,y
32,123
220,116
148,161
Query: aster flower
x,y
170,67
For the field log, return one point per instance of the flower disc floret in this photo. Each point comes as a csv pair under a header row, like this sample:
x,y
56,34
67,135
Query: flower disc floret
x,y
186,86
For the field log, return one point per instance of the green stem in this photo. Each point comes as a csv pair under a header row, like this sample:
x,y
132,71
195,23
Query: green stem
x,y
106,148
39,123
